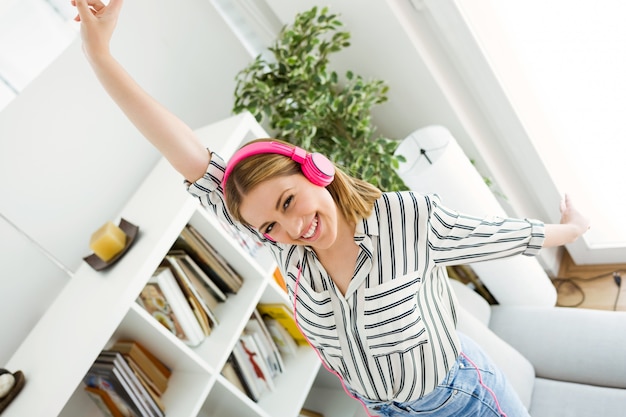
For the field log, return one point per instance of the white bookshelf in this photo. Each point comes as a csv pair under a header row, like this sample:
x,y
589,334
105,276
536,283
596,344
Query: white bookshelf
x,y
97,308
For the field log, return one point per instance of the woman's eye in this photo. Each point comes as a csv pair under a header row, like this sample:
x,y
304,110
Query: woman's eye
x,y
287,202
268,229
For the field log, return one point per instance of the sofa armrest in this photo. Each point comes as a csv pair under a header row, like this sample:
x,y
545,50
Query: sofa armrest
x,y
576,345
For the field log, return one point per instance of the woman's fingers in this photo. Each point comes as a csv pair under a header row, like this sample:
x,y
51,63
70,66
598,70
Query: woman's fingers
x,y
97,5
83,9
569,214
93,6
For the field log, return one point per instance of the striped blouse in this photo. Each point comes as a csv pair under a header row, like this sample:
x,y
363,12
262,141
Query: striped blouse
x,y
392,335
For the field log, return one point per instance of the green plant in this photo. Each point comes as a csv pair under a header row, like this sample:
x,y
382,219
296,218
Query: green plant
x,y
308,105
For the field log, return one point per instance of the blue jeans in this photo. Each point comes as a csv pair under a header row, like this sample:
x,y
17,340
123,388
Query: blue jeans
x,y
461,393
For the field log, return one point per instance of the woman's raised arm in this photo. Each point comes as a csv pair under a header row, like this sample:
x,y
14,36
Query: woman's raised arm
x,y
170,135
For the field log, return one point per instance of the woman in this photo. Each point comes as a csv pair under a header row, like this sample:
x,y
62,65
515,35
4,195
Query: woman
x,y
365,270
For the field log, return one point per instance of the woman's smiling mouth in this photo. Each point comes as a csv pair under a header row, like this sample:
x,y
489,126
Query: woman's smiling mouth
x,y
312,229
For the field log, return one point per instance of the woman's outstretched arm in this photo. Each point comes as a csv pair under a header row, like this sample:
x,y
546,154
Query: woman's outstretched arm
x,y
170,135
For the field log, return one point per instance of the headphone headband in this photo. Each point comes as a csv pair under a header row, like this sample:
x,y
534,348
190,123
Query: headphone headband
x,y
316,167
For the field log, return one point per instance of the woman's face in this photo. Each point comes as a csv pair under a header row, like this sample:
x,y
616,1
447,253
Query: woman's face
x,y
292,210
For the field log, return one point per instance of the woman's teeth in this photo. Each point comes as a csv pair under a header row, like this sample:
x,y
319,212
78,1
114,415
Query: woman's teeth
x,y
311,230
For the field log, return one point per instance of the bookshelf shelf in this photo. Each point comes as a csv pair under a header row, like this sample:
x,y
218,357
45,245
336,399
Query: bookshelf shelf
x,y
97,309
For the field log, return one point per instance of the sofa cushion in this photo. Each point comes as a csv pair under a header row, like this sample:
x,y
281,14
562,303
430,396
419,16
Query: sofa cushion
x,y
565,344
566,399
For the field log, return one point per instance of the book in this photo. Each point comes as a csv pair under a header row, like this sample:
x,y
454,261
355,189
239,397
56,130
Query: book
x,y
101,365
233,375
281,313
103,401
147,383
247,372
193,270
106,378
145,363
221,261
154,301
205,316
178,261
180,306
268,348
283,340
280,280
207,258
138,392
253,347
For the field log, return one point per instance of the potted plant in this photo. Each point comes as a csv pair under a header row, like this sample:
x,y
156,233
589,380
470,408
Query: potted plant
x,y
305,103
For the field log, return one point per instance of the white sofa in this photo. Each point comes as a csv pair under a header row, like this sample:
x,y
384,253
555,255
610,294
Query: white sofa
x,y
562,362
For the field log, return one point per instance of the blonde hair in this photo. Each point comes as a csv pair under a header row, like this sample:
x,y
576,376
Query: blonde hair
x,y
354,197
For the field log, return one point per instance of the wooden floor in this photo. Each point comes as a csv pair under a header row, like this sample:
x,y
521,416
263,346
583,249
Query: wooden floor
x,y
590,286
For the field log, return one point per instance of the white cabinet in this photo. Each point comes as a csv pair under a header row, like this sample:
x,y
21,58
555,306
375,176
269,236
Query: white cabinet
x,y
97,308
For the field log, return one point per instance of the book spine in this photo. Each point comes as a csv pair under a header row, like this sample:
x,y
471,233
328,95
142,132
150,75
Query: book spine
x,y
181,309
187,283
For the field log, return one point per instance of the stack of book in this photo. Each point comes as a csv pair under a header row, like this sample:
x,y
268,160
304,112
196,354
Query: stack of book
x,y
127,381
185,290
209,260
257,358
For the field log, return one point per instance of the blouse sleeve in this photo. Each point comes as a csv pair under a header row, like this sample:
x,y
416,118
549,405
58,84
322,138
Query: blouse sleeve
x,y
456,238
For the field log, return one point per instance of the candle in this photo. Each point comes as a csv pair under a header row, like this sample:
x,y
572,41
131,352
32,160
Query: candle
x,y
107,241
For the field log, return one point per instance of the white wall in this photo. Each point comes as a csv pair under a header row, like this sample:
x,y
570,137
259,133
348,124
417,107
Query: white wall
x,y
380,49
69,159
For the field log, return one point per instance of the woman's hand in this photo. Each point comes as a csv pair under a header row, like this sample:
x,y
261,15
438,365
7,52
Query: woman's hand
x,y
98,22
570,215
573,225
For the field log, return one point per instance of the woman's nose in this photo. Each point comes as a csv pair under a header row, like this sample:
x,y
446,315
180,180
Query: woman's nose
x,y
294,227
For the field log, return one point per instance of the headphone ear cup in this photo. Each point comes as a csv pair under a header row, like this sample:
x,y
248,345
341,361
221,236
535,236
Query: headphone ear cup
x,y
318,169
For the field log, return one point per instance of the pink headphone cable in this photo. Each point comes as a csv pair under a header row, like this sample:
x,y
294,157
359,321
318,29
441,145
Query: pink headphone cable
x,y
480,380
295,317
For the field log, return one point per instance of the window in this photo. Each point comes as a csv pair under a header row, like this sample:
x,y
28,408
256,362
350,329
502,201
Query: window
x,y
32,34
573,56
559,64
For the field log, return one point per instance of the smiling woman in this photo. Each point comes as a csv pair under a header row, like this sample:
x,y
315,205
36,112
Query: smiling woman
x,y
32,34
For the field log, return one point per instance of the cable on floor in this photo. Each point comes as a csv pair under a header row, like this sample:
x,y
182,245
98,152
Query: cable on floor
x,y
572,282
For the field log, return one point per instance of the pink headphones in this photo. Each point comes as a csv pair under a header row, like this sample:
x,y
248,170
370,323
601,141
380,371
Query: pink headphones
x,y
315,166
